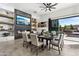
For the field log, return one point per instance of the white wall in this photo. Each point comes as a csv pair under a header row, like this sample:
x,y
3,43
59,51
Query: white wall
x,y
43,18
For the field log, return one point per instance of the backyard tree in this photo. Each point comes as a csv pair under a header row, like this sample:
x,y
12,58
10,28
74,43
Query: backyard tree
x,y
60,27
71,27
65,27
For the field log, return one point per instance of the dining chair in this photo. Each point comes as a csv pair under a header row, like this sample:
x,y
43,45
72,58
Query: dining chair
x,y
53,32
26,40
58,36
36,45
58,43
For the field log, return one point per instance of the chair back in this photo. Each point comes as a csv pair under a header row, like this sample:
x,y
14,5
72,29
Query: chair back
x,y
53,32
60,39
25,36
58,36
34,39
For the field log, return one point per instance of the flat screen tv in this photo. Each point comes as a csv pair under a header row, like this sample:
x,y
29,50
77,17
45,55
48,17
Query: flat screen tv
x,y
23,23
21,20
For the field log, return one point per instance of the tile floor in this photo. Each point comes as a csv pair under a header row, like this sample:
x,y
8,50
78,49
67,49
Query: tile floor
x,y
15,48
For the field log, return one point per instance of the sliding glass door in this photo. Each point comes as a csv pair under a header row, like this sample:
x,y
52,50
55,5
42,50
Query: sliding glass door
x,y
53,25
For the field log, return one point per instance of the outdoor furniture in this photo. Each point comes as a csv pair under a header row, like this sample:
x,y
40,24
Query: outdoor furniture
x,y
26,40
36,45
58,43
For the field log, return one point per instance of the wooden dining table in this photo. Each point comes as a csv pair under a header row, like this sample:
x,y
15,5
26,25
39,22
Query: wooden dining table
x,y
47,38
43,37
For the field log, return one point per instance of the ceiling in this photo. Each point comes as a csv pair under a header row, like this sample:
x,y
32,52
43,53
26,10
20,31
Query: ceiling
x,y
34,8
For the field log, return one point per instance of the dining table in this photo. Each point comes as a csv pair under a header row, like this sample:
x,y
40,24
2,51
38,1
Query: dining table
x,y
47,38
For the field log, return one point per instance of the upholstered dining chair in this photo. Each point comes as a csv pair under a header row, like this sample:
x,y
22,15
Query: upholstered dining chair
x,y
58,43
58,36
26,40
36,45
53,32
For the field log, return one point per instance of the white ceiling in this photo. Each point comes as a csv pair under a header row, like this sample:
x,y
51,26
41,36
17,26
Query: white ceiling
x,y
34,8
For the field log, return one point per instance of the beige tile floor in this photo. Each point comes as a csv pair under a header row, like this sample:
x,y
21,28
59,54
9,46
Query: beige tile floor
x,y
15,48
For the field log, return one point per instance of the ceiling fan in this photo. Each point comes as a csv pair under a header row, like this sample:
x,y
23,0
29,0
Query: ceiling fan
x,y
48,6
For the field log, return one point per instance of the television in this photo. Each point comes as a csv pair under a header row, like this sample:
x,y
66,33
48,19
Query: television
x,y
21,20
23,23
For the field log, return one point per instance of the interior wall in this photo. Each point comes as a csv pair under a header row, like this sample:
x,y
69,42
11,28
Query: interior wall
x,y
43,18
39,29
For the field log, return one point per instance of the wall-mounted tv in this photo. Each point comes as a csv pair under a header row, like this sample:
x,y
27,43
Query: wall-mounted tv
x,y
21,20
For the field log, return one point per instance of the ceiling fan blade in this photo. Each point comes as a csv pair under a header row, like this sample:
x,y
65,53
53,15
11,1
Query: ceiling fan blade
x,y
45,4
49,9
49,4
54,4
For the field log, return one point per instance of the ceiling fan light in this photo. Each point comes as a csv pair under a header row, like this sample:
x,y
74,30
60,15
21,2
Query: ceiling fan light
x,y
49,6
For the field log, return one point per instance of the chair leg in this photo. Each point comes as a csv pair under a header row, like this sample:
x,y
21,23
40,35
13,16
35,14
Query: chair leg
x,y
49,46
42,47
62,44
59,50
23,44
61,47
37,51
26,45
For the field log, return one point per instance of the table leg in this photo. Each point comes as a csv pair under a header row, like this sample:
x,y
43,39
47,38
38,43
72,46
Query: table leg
x,y
39,39
49,45
42,39
47,42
